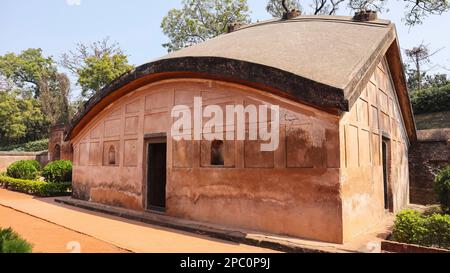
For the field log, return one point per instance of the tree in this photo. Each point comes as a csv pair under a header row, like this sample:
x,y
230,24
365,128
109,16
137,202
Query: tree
x,y
376,5
96,65
200,20
417,56
55,98
35,76
21,119
415,10
26,69
436,80
11,122
276,9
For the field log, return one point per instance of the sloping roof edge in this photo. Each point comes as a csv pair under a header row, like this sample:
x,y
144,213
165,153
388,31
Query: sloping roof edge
x,y
259,76
390,49
266,78
395,63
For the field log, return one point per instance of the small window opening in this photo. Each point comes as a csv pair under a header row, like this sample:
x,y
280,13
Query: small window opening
x,y
57,152
217,153
112,155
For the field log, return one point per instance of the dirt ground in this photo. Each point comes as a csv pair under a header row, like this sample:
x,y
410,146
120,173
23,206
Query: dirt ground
x,y
51,226
50,238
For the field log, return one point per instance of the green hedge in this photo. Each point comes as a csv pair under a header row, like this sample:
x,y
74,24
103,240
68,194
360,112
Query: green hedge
x,y
33,146
442,188
38,188
11,242
428,230
58,171
433,99
24,169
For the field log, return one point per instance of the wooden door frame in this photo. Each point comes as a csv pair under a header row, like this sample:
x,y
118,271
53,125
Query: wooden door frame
x,y
157,138
386,140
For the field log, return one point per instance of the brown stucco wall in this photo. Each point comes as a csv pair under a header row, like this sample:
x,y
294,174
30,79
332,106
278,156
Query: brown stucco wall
x,y
294,190
427,156
375,114
7,158
325,181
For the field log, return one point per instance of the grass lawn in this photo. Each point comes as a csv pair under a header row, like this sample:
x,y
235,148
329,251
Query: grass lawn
x,y
433,120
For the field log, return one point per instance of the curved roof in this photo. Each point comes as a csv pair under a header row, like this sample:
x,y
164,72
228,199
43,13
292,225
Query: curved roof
x,y
324,49
323,61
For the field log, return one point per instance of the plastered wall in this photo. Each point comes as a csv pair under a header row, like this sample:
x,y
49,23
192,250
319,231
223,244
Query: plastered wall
x,y
294,190
375,114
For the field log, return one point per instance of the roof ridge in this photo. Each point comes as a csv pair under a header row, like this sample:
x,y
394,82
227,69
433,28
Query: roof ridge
x,y
329,18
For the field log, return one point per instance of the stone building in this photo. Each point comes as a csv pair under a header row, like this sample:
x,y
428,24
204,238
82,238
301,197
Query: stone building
x,y
58,147
345,125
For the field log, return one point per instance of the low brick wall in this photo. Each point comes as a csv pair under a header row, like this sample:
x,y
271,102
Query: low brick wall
x,y
426,157
391,246
7,158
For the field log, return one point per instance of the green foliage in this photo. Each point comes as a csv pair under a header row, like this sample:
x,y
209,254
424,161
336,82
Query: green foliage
x,y
409,227
32,146
433,99
24,169
33,95
428,230
12,125
11,242
96,65
200,20
59,171
27,68
21,120
38,188
438,226
436,80
100,71
442,188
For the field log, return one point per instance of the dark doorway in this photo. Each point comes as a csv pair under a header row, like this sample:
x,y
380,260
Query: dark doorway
x,y
156,176
386,176
57,152
217,153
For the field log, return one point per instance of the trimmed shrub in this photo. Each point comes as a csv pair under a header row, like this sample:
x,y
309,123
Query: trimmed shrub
x,y
409,227
11,242
433,99
58,171
428,230
38,188
442,188
24,169
438,226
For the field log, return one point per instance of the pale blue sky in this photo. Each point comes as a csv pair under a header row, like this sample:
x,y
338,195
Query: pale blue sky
x,y
56,25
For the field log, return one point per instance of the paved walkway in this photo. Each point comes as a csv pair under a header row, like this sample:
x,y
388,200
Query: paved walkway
x,y
49,224
50,238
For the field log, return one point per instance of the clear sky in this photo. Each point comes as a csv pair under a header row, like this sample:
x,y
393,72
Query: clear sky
x,y
57,25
